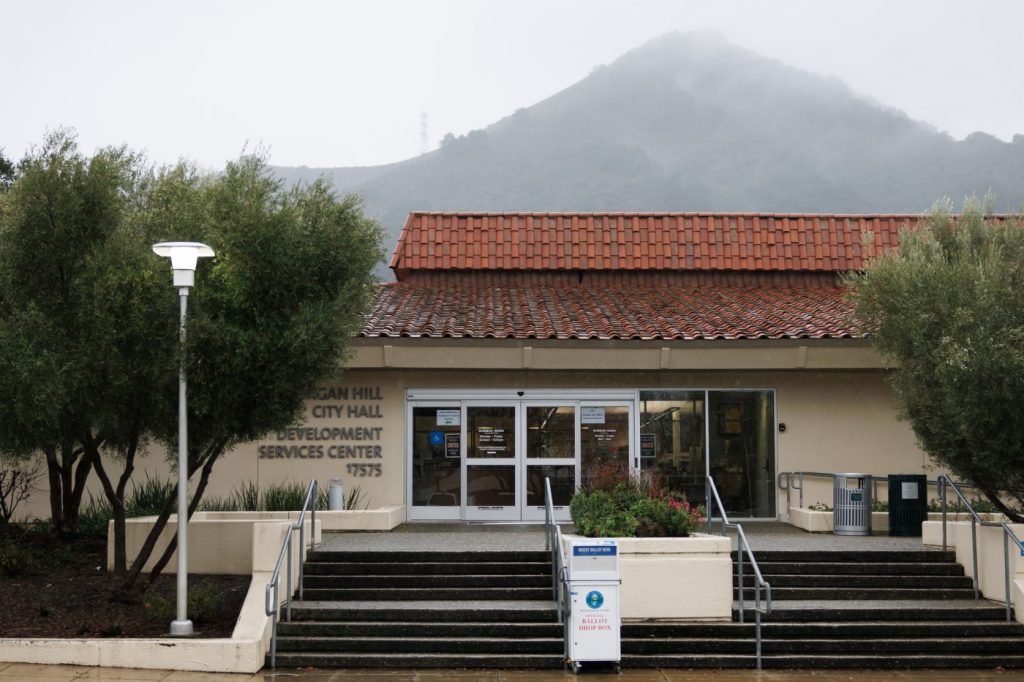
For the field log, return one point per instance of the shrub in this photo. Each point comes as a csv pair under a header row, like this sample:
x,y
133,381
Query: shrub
x,y
147,499
94,518
246,497
285,496
632,507
218,504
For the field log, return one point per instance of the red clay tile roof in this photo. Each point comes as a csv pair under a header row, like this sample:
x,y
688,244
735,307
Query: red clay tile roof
x,y
642,241
478,309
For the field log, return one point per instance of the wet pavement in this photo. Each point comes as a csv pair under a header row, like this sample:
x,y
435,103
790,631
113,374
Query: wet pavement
x,y
66,673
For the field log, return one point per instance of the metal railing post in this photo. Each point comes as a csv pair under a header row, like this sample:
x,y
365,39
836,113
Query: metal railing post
x,y
942,499
974,551
1006,568
742,593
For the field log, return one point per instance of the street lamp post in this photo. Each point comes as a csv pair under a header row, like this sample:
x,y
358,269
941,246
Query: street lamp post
x,y
184,256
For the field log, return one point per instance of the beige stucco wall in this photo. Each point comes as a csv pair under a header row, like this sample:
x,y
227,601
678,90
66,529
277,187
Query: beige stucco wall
x,y
837,419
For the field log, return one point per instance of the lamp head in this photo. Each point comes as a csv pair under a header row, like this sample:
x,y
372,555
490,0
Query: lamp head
x,y
184,256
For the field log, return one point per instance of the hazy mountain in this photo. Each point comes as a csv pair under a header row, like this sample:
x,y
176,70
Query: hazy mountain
x,y
691,122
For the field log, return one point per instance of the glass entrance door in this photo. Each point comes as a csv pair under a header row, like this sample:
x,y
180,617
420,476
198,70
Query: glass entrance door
x,y
552,445
604,439
487,459
490,471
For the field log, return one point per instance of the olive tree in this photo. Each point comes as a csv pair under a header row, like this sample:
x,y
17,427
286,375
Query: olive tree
x,y
89,347
946,309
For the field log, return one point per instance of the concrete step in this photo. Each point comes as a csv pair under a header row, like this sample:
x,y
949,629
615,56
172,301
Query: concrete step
x,y
866,593
478,611
449,594
870,660
853,556
444,646
875,610
892,629
429,568
426,557
419,629
861,581
855,568
405,661
426,581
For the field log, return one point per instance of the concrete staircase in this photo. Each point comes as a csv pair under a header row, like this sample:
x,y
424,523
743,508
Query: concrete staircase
x,y
493,609
394,609
847,609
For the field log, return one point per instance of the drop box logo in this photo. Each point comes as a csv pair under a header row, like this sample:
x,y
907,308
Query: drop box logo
x,y
595,599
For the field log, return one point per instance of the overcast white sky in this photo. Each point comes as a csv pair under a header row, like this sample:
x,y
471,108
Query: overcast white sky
x,y
343,83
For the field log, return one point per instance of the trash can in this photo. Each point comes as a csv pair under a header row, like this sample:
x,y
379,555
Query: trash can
x,y
851,505
594,602
908,504
336,495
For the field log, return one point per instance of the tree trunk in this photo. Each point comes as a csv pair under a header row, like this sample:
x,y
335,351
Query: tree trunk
x,y
115,496
204,478
67,486
1011,514
132,576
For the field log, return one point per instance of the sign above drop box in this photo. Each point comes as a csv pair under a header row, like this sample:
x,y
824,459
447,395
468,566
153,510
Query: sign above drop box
x,y
594,559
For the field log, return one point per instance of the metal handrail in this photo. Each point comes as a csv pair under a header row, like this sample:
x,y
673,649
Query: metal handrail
x,y
786,482
711,493
272,605
976,521
553,543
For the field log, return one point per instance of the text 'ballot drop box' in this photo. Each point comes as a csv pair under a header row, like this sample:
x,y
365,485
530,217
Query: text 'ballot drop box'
x,y
594,596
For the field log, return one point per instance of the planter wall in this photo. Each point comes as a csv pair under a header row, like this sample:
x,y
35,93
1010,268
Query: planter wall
x,y
675,578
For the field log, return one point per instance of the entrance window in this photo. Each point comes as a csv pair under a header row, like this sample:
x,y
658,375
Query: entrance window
x,y
492,432
742,450
436,459
739,452
604,438
551,432
672,440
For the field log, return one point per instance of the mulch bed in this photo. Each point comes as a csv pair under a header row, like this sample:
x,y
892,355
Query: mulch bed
x,y
55,588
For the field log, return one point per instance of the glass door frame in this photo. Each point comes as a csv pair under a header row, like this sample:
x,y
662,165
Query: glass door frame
x,y
493,512
520,398
533,512
427,513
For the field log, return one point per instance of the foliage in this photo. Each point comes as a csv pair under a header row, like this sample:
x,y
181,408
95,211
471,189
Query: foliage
x,y
17,483
95,518
205,600
148,499
284,496
626,506
246,497
946,309
878,505
819,507
89,347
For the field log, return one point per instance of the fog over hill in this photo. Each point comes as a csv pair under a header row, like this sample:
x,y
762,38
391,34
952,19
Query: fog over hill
x,y
690,122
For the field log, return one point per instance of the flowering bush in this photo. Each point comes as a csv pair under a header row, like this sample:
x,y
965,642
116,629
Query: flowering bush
x,y
612,503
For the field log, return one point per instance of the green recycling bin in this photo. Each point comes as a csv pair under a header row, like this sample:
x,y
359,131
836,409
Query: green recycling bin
x,y
908,504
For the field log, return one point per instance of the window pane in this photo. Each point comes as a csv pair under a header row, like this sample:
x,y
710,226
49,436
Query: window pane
x,y
491,431
742,450
604,438
436,477
672,439
563,484
551,432
491,486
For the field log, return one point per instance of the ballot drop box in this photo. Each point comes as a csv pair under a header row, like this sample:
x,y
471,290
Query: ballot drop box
x,y
594,596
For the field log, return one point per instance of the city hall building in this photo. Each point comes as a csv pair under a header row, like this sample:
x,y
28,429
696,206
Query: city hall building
x,y
516,347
